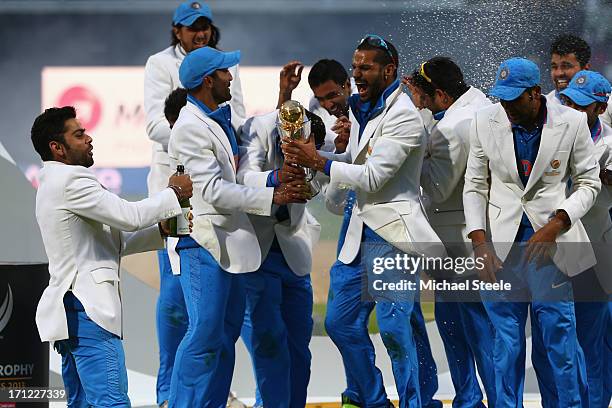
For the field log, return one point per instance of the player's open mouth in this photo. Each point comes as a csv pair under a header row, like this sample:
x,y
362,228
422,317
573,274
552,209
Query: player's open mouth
x,y
362,88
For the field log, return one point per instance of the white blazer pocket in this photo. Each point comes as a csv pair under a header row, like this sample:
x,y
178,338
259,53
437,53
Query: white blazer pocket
x,y
104,274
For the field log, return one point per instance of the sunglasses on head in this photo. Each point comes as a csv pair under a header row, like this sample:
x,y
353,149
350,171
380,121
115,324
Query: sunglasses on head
x,y
378,42
423,75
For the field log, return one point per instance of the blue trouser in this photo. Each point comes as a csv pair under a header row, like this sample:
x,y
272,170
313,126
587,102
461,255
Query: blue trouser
x,y
468,337
608,357
172,322
428,372
277,331
591,321
347,325
549,291
215,300
93,363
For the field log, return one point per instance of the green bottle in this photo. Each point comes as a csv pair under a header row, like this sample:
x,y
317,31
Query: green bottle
x,y
179,225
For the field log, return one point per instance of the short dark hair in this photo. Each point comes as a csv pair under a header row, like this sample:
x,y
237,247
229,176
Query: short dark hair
x,y
571,44
317,127
444,74
325,70
384,56
214,37
48,127
174,102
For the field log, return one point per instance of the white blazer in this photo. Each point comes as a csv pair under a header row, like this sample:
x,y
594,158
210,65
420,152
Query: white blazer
x,y
219,204
160,79
597,221
296,236
444,166
81,224
551,99
606,117
384,169
566,150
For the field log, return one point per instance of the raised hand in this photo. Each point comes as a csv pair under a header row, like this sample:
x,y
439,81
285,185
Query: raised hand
x,y
289,78
342,128
415,94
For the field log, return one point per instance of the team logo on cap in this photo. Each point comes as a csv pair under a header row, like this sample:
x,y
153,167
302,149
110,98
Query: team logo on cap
x,y
504,73
581,80
555,164
195,5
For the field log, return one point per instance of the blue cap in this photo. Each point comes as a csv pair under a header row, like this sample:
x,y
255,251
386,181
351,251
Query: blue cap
x,y
587,87
188,12
202,62
514,76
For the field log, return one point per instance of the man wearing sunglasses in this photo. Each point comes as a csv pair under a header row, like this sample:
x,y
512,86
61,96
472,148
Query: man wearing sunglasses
x,y
438,85
332,87
382,165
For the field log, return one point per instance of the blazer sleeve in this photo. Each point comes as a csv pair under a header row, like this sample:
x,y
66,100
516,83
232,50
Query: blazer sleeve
x,y
85,196
148,239
237,101
401,133
476,188
157,87
195,150
606,117
253,158
585,174
444,165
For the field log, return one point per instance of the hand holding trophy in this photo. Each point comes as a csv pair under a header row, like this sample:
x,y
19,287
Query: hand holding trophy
x,y
294,125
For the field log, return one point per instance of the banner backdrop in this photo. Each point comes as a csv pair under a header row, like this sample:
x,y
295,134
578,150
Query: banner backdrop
x,y
24,361
109,103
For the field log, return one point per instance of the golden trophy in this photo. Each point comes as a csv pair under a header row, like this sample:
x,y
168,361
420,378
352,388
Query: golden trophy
x,y
293,124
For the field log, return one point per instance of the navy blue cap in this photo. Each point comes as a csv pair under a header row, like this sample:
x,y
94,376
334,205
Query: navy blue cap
x,y
587,87
202,62
514,76
188,12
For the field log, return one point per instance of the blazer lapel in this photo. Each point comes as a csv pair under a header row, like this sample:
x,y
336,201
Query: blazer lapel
x,y
368,132
551,137
502,131
373,124
600,149
274,151
216,130
296,212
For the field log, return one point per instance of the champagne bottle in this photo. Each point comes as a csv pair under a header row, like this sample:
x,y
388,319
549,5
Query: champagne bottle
x,y
179,225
